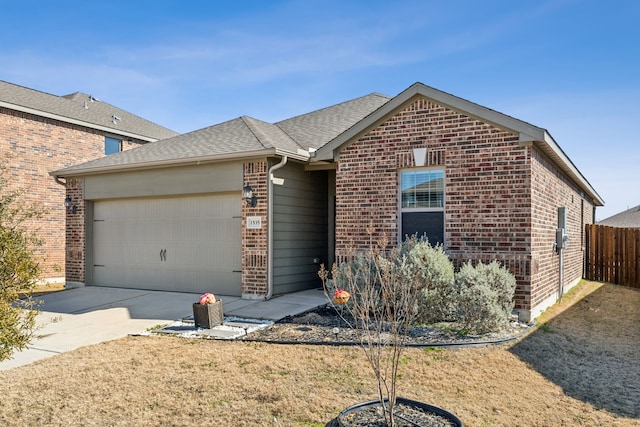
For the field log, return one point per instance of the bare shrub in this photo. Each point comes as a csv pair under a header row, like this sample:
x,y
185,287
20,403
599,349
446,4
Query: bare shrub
x,y
382,284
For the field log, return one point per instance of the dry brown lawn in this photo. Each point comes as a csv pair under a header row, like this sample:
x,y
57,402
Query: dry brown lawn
x,y
45,289
581,367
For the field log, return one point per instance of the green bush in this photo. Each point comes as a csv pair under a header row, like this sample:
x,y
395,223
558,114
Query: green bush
x,y
480,298
485,296
435,281
19,269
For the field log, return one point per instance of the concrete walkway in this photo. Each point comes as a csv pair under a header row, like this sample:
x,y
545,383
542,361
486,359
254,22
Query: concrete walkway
x,y
84,316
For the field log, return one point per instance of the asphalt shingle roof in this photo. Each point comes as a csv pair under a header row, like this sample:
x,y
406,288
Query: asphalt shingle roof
x,y
315,129
244,135
81,107
625,219
234,136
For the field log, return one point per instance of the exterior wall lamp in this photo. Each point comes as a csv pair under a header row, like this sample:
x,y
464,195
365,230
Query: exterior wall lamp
x,y
248,196
70,208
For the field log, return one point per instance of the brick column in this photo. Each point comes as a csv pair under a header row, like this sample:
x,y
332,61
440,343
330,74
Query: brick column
x,y
254,240
75,234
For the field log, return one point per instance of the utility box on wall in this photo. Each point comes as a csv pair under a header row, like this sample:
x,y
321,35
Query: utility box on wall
x,y
561,232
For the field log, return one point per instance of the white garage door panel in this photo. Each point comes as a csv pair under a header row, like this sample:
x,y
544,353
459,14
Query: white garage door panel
x,y
199,238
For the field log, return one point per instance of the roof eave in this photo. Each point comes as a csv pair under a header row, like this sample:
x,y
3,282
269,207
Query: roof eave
x,y
551,148
527,134
65,173
526,131
76,122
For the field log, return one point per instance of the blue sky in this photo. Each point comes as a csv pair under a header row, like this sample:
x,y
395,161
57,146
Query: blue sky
x,y
569,66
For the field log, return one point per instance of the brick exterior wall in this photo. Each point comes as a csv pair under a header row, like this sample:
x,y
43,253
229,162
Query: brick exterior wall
x,y
551,189
489,208
254,241
38,145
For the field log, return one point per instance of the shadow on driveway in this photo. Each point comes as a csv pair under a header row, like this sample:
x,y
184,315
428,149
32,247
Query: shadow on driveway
x,y
84,316
139,304
592,350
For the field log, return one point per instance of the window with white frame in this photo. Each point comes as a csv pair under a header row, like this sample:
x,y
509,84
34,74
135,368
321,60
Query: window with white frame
x,y
422,204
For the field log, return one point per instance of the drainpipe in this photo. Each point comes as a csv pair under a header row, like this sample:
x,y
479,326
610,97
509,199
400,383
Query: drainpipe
x,y
56,178
561,274
270,225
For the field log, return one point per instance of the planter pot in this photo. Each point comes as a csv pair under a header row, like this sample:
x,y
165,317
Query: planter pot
x,y
208,315
407,413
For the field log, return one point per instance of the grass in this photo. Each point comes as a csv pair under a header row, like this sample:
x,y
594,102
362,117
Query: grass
x,y
168,381
45,289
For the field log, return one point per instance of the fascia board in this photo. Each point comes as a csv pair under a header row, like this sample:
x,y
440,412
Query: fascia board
x,y
527,133
76,122
555,152
65,173
178,162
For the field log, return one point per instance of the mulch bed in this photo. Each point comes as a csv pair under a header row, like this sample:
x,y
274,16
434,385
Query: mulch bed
x,y
324,326
404,416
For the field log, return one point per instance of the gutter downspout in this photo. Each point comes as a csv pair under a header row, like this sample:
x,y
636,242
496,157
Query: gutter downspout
x,y
270,225
56,178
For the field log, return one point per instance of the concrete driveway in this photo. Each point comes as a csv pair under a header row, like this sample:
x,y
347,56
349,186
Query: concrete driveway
x,y
84,316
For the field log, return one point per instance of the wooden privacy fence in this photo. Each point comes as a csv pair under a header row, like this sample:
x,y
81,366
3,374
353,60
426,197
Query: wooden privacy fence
x,y
613,254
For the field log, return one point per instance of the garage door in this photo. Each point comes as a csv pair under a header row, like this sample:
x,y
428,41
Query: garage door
x,y
185,244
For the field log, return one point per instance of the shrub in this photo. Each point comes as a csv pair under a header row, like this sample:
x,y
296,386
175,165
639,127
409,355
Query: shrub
x,y
19,269
435,281
485,296
359,277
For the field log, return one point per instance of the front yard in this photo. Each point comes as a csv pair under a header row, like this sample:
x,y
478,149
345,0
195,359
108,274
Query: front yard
x,y
581,367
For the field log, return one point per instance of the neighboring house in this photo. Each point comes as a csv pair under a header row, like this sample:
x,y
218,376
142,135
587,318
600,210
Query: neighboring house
x,y
172,215
625,219
41,132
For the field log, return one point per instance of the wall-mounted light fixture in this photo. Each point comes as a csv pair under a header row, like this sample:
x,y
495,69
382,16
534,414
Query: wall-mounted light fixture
x,y
248,196
71,208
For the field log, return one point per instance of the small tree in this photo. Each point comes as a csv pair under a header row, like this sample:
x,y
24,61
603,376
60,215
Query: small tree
x,y
383,288
19,268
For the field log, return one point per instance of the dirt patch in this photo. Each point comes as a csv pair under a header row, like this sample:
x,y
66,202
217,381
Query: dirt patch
x,y
162,381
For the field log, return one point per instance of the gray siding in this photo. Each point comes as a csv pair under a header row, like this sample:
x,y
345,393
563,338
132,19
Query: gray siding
x,y
299,228
197,179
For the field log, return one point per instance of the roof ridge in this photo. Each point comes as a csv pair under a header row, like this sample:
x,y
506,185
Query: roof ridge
x,y
335,105
248,121
262,135
288,135
29,88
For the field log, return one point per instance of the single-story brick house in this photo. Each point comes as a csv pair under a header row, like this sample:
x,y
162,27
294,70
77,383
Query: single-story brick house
x,y
172,215
41,132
